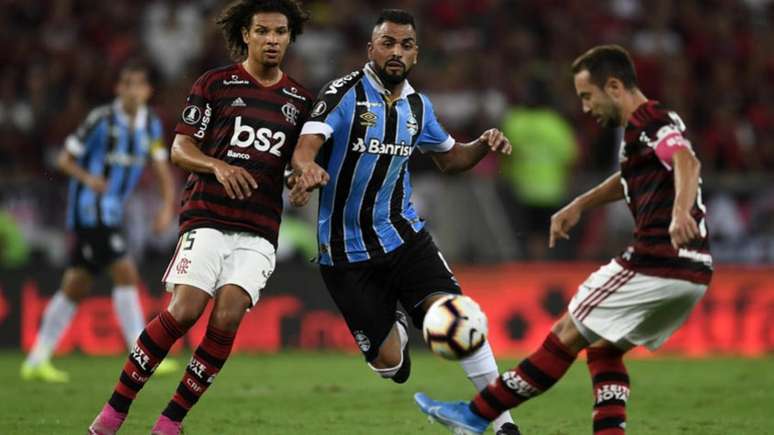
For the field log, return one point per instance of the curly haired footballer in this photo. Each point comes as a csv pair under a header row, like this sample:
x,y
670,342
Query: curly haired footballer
x,y
236,17
229,222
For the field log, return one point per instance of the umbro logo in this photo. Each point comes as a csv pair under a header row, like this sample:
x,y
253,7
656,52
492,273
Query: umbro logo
x,y
238,102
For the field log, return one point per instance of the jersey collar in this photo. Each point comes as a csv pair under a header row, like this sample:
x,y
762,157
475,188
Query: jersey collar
x,y
642,114
376,83
140,118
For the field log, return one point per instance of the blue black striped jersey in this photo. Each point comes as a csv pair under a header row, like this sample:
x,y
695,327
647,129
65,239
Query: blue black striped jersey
x,y
110,145
365,209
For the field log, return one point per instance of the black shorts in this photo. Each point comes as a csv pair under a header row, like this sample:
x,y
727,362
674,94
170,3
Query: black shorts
x,y
97,248
367,293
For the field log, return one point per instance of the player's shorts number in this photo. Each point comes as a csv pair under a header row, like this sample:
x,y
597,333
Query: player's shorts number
x,y
188,240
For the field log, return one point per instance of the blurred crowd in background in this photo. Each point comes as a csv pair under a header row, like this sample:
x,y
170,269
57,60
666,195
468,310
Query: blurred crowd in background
x,y
484,63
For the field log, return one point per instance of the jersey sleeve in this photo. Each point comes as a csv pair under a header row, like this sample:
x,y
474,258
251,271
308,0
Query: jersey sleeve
x,y
158,149
85,136
669,140
329,110
195,118
433,137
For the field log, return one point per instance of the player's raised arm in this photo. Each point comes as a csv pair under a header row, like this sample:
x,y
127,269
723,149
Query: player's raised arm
x,y
610,190
450,156
463,156
235,179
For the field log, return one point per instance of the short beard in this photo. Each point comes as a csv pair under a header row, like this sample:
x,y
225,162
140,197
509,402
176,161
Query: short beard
x,y
389,80
614,120
613,117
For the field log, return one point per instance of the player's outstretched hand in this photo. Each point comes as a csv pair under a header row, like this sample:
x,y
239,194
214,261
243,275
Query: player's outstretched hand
x,y
561,223
683,229
496,141
235,179
298,196
311,176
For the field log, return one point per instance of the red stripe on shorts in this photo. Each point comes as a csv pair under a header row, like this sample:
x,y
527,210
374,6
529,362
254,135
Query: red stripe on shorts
x,y
174,257
602,294
608,282
611,282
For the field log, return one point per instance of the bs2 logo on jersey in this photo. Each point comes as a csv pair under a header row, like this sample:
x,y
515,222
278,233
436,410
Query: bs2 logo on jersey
x,y
263,139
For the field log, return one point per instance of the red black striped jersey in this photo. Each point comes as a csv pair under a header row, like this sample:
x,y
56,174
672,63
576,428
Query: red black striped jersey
x,y
653,132
236,119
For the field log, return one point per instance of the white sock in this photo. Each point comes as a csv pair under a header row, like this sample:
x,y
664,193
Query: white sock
x,y
126,304
56,318
403,335
481,369
390,371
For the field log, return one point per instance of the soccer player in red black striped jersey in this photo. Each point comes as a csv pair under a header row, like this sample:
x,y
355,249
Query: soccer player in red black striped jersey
x,y
236,135
640,297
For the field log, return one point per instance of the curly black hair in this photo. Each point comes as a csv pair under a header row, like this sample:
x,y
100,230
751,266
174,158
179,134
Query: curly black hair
x,y
239,14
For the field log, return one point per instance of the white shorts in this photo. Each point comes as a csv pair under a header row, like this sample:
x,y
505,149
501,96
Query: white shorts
x,y
630,309
208,259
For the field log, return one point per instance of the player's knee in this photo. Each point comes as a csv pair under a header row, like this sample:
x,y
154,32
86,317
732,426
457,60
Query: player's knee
x,y
185,314
563,326
388,359
76,284
227,318
124,272
386,367
388,362
75,294
569,334
76,297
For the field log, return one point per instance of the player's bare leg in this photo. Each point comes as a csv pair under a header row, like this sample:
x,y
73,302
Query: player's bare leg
x,y
231,304
76,283
187,305
569,335
393,361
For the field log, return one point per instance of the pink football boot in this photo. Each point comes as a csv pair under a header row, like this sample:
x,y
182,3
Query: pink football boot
x,y
108,421
165,426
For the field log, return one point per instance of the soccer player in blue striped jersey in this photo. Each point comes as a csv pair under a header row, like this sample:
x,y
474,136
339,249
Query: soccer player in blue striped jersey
x,y
373,249
104,159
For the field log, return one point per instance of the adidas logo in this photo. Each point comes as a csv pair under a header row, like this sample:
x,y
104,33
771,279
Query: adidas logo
x,y
239,102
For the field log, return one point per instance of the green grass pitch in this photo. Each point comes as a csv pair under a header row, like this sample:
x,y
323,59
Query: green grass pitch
x,y
330,393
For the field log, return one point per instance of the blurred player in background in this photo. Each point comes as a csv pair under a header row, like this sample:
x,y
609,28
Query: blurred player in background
x,y
236,135
104,159
374,250
640,297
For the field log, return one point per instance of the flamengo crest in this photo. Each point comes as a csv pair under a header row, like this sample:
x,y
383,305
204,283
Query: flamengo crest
x,y
291,113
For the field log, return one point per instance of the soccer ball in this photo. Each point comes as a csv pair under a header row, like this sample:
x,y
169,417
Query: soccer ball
x,y
454,327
